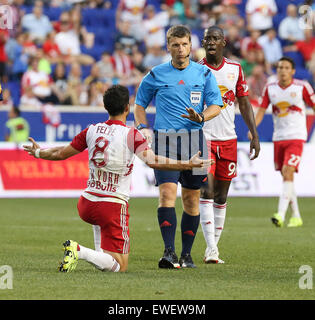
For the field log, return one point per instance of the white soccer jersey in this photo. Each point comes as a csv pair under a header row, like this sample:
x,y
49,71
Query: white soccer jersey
x,y
288,108
132,10
232,84
111,147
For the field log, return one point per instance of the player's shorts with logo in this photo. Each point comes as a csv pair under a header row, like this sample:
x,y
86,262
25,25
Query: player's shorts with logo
x,y
224,153
288,152
113,219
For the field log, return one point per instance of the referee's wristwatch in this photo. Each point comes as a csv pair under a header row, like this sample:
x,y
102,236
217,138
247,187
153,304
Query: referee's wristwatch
x,y
142,126
202,117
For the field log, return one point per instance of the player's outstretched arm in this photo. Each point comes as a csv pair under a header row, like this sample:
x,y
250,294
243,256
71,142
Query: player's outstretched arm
x,y
159,162
54,154
249,118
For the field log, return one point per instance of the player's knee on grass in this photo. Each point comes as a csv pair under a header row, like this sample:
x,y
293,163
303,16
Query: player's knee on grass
x,y
122,259
123,267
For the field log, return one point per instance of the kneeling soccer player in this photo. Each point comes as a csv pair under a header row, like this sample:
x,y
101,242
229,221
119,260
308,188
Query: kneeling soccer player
x,y
112,147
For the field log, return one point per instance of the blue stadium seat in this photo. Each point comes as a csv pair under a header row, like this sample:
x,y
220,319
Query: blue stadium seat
x,y
98,17
277,19
241,7
156,4
103,36
53,13
131,90
302,74
86,70
27,9
282,4
297,57
15,90
96,51
198,32
114,4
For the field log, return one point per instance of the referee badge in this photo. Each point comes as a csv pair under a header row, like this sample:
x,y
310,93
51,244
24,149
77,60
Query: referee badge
x,y
195,97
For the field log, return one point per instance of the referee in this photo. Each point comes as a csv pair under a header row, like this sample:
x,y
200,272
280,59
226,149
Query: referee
x,y
180,88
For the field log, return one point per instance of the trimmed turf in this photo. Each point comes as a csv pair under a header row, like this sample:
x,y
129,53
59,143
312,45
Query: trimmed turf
x,y
262,261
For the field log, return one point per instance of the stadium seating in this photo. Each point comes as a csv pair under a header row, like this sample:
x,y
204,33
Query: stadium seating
x,y
15,89
302,74
101,22
282,4
98,18
53,13
297,57
241,7
277,19
103,36
97,50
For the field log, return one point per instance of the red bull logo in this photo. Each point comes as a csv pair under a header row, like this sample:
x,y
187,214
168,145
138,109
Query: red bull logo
x,y
228,96
283,108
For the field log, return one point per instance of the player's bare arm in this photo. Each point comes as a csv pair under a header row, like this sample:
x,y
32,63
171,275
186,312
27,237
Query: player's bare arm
x,y
249,118
258,119
54,154
209,113
162,163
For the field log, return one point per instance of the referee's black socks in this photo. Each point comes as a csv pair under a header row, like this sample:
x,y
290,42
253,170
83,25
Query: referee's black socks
x,y
168,222
189,226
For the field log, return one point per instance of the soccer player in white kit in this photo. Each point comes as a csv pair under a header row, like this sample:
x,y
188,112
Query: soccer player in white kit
x,y
112,147
288,98
222,139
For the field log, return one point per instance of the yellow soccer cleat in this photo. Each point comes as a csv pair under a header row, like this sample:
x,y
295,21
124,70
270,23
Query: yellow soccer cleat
x,y
277,220
295,222
70,258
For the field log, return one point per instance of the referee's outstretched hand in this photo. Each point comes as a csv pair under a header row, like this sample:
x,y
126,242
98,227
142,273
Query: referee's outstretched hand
x,y
192,115
200,163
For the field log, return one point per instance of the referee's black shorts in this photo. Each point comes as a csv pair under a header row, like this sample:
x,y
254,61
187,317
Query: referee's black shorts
x,y
180,145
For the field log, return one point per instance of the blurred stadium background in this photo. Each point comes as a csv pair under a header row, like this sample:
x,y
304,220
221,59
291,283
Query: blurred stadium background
x,y
58,57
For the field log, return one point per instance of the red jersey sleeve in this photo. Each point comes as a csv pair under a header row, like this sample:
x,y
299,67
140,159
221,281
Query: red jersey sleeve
x,y
136,141
241,85
308,95
79,141
265,98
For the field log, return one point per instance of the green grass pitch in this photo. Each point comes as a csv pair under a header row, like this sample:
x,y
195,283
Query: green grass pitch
x,y
262,261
